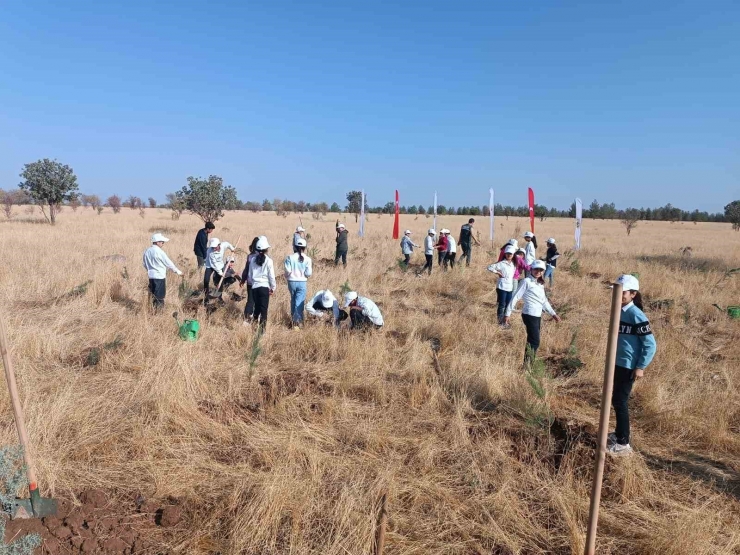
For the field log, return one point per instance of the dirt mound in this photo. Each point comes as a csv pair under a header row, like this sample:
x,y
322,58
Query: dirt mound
x,y
100,525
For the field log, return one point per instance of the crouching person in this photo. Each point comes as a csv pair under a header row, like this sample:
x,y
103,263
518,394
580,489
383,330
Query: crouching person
x,y
324,304
363,313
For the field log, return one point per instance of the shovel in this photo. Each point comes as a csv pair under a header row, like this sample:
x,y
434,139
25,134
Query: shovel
x,y
218,293
36,506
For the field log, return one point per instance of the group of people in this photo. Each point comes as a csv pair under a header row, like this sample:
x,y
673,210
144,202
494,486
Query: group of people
x,y
521,277
445,246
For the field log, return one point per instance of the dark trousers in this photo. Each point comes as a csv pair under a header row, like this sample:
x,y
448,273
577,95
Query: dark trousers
x,y
249,307
359,321
623,383
158,290
261,296
210,273
532,323
467,253
201,261
428,265
406,259
450,259
441,257
343,256
504,298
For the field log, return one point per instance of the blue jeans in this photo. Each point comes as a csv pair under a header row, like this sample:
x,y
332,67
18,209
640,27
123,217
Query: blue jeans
x,y
549,271
504,298
297,300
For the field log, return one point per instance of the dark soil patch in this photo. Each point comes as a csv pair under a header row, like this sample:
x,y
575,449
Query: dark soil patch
x,y
100,525
292,382
595,275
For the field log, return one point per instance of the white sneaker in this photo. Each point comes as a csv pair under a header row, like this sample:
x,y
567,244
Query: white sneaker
x,y
619,450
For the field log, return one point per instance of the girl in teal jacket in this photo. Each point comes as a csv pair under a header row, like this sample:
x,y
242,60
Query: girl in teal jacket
x,y
635,350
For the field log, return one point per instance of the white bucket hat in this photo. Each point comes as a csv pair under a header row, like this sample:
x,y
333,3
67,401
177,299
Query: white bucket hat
x,y
551,241
327,299
348,298
158,237
432,231
214,242
300,243
262,243
529,234
299,229
340,226
510,249
629,283
538,265
407,232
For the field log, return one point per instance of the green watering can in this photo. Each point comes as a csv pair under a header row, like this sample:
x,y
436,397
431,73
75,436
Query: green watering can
x,y
187,330
732,311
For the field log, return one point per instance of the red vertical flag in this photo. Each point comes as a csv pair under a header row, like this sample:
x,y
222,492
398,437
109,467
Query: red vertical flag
x,y
531,209
395,221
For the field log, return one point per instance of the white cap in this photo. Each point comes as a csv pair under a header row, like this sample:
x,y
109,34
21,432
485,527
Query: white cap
x,y
214,242
340,226
444,231
538,265
432,231
528,234
300,242
513,242
551,241
407,232
262,244
519,249
510,249
327,299
299,229
158,237
629,283
348,298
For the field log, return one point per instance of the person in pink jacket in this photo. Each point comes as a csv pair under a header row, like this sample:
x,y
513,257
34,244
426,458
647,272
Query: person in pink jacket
x,y
520,267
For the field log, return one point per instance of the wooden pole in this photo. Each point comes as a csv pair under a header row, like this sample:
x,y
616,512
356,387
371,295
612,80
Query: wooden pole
x,y
382,520
606,396
20,423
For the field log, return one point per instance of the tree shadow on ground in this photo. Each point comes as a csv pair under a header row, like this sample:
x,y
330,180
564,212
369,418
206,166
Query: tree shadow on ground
x,y
717,474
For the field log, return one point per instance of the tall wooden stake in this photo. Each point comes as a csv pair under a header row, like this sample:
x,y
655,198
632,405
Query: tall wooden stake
x,y
606,396
380,532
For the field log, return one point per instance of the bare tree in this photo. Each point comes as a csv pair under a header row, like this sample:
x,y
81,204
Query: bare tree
x,y
115,203
630,219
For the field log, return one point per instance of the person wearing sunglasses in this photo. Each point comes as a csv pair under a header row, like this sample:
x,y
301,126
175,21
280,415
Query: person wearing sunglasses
x,y
532,292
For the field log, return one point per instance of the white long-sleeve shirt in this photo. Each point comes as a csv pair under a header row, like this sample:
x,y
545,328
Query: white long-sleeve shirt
x,y
215,259
451,244
317,299
371,310
534,297
506,269
429,245
530,253
262,276
295,270
157,262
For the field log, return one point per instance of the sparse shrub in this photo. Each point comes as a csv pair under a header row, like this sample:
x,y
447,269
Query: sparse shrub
x,y
114,202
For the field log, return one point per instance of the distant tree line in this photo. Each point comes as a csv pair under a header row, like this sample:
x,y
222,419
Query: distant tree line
x,y
51,185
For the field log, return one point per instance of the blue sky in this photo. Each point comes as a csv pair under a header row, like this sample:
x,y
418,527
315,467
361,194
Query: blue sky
x,y
636,103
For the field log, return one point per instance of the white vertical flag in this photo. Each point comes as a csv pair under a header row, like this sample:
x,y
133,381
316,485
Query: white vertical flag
x,y
579,220
361,232
490,211
435,212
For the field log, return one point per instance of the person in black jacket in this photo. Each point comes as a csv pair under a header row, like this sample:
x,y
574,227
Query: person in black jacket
x,y
551,258
466,241
201,243
342,246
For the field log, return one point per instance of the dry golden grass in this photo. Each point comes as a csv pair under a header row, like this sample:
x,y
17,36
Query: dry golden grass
x,y
294,459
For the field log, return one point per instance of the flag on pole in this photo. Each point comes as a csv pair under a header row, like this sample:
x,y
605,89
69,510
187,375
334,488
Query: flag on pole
x,y
579,220
531,209
435,211
361,231
395,221
490,211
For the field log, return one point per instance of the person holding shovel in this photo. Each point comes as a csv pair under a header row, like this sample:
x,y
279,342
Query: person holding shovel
x,y
216,264
342,246
262,277
322,304
298,268
363,313
636,348
465,240
407,246
532,291
156,262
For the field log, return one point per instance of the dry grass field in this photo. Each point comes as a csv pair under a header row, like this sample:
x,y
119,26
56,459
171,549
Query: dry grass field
x,y
291,456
